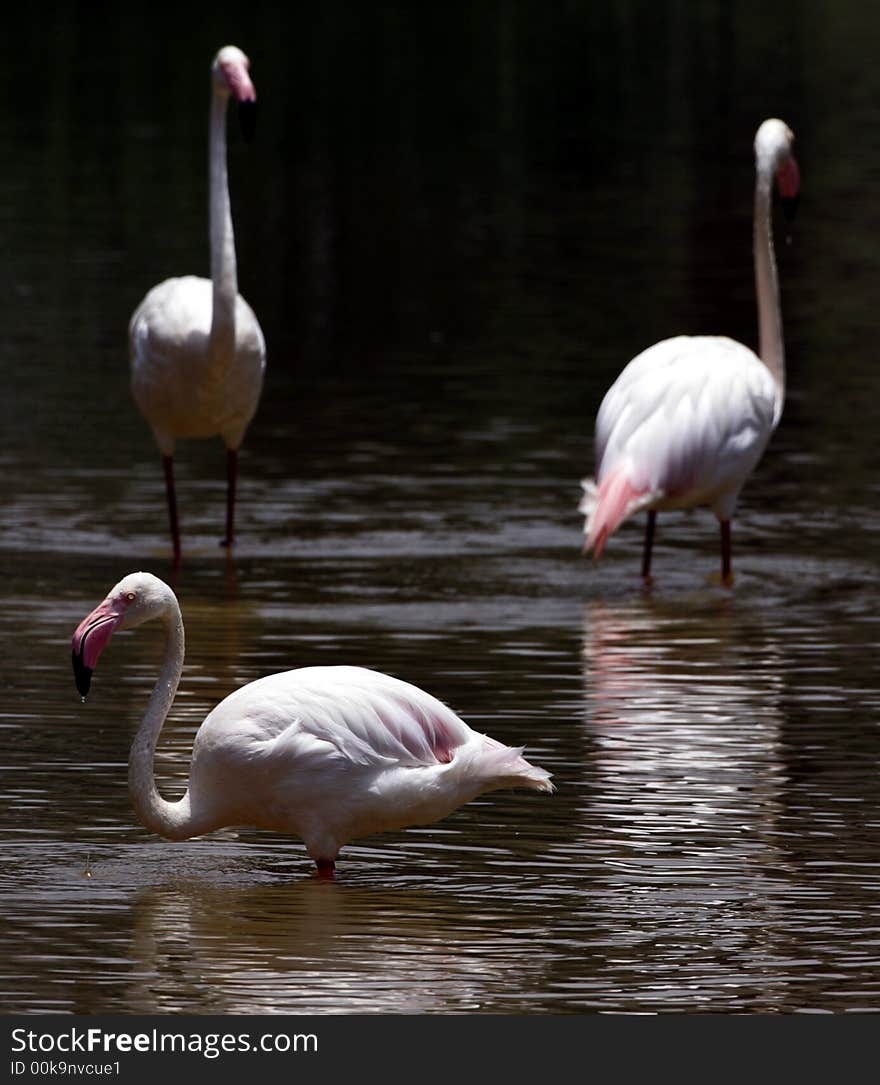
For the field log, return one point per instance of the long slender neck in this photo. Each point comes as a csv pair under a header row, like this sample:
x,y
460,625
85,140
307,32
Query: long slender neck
x,y
170,819
223,270
771,347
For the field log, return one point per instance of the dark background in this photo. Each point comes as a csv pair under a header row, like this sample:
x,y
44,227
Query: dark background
x,y
456,224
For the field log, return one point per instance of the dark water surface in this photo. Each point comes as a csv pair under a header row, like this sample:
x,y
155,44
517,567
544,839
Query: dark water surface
x,y
455,226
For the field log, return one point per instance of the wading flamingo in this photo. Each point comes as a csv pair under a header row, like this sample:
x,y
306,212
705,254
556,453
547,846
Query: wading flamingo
x,y
688,419
325,753
197,351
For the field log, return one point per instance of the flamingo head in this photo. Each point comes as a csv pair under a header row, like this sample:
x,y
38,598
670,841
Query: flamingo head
x,y
230,72
773,152
137,598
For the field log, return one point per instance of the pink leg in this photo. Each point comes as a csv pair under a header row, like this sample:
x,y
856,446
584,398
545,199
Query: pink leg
x,y
231,482
649,543
326,867
726,573
168,465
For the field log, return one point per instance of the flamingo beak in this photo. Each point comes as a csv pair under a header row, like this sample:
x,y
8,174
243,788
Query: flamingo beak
x,y
89,640
790,206
242,89
82,675
247,118
788,181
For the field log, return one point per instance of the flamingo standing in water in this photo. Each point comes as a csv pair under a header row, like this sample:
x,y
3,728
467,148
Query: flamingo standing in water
x,y
325,753
197,351
688,419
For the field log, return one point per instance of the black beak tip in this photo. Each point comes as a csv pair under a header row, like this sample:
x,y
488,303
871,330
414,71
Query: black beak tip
x,y
247,119
82,675
790,206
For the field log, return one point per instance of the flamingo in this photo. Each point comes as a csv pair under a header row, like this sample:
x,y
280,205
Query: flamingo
x,y
196,348
688,419
325,753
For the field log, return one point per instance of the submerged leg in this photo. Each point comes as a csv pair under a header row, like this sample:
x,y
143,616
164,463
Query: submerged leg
x,y
231,482
168,466
649,543
726,570
326,867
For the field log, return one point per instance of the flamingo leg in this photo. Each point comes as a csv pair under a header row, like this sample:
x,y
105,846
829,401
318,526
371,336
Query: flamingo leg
x,y
326,867
726,563
170,493
649,543
231,483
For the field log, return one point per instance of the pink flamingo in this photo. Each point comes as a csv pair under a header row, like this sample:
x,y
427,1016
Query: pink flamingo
x,y
197,351
688,419
325,753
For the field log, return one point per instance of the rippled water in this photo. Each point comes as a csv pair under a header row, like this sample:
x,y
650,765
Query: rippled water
x,y
408,501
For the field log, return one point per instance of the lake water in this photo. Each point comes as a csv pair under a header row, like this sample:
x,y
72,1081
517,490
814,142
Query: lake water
x,y
455,228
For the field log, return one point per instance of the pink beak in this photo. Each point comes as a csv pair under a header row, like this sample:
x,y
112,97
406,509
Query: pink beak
x,y
239,81
242,89
788,180
89,640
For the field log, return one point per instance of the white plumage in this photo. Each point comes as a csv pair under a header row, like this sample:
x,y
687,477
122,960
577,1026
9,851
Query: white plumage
x,y
177,382
688,419
328,754
196,348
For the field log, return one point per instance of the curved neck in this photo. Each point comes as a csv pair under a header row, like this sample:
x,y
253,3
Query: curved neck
x,y
223,271
170,819
771,348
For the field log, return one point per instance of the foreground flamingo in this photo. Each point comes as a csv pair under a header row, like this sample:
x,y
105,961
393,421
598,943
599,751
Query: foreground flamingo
x,y
196,348
325,753
687,420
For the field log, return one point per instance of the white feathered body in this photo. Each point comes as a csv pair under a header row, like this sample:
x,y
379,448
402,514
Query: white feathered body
x,y
682,426
182,386
331,754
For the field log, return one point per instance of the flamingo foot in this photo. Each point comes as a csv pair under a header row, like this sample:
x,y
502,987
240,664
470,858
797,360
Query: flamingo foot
x,y
721,580
325,869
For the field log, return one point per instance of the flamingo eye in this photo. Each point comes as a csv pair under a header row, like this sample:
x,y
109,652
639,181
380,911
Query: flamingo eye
x,y
130,597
